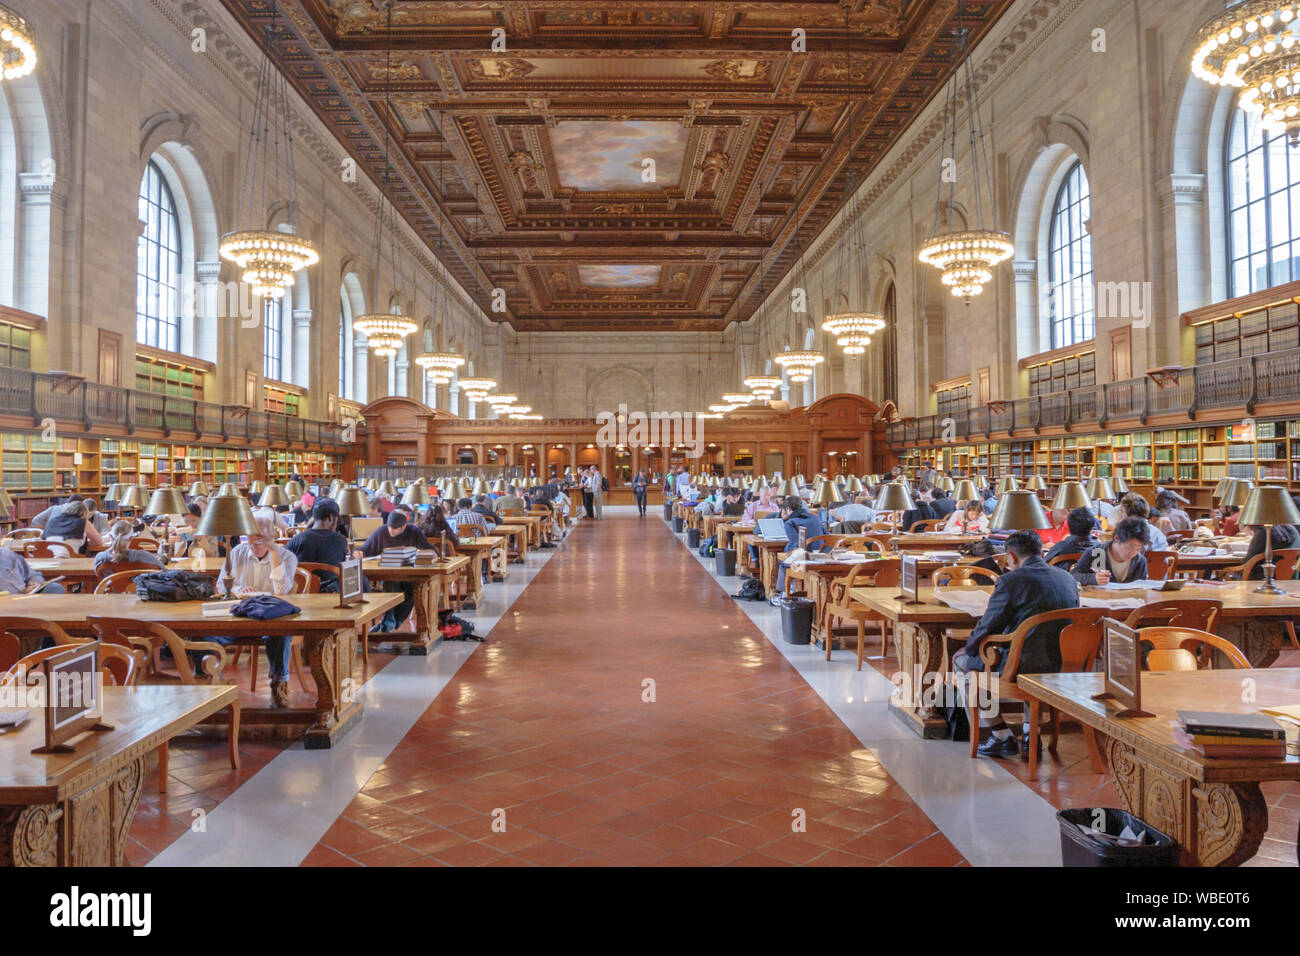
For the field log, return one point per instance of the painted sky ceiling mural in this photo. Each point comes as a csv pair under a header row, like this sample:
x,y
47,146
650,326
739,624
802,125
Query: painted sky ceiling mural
x,y
529,160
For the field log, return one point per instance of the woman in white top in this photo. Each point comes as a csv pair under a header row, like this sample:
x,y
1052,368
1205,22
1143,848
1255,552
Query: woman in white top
x,y
968,520
259,565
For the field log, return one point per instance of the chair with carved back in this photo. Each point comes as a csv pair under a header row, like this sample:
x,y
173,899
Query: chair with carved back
x,y
104,568
115,662
144,542
31,632
46,549
1187,649
1066,560
859,542
469,531
962,574
1161,564
1283,559
1199,613
129,633
882,526
119,582
510,512
881,573
927,524
26,534
1080,642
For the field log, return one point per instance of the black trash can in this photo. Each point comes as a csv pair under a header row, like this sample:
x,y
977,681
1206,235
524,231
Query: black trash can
x,y
725,561
668,511
693,538
677,525
796,620
1082,849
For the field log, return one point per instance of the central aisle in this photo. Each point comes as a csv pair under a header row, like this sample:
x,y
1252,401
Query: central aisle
x,y
626,712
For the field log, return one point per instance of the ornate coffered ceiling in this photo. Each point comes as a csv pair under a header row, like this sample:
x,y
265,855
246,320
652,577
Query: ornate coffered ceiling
x,y
619,165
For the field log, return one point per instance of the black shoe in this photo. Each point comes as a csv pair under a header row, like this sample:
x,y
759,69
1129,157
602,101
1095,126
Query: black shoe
x,y
1024,747
999,747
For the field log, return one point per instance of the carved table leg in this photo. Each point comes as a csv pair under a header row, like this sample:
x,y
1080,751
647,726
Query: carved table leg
x,y
1216,824
426,615
337,704
31,836
921,667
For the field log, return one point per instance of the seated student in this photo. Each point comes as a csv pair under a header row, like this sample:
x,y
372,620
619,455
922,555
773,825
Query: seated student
x,y
321,543
732,507
990,501
1228,523
762,502
72,527
484,507
1283,535
120,552
465,515
943,505
854,511
435,525
97,518
259,565
42,518
1135,506
186,540
971,519
797,516
1079,524
395,533
922,512
1120,560
1170,517
19,577
299,513
1030,586
512,500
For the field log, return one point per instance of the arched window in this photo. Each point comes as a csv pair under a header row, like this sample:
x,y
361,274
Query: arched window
x,y
158,264
1263,193
1069,262
273,338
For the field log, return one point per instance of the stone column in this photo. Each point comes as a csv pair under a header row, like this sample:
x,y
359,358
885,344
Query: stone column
x,y
1028,340
300,374
199,334
360,367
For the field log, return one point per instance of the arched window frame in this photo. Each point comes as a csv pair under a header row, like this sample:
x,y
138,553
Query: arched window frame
x,y
159,252
1261,175
273,350
1072,316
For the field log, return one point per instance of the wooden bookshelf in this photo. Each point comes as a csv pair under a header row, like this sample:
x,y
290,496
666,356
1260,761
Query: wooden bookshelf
x,y
283,398
166,373
313,466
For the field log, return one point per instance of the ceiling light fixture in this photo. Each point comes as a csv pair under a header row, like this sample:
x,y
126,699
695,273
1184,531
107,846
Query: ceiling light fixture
x,y
20,57
1252,46
799,364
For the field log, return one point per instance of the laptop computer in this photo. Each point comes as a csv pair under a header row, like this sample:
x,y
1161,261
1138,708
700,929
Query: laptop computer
x,y
771,529
363,528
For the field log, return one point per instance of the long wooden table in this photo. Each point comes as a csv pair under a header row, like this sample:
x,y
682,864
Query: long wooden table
x,y
75,809
517,534
329,637
921,650
1211,805
492,547
432,592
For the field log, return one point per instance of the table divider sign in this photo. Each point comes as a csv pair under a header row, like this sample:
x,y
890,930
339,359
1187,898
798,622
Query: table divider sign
x,y
1123,673
910,580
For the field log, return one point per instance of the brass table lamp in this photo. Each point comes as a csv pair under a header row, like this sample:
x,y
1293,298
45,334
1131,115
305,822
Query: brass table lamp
x,y
1266,507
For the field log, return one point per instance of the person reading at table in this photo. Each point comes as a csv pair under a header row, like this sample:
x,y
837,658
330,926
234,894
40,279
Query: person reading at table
x,y
260,566
732,506
321,543
1229,521
797,517
971,519
395,533
1079,524
1029,586
1118,561
19,577
120,552
1135,506
72,527
1283,535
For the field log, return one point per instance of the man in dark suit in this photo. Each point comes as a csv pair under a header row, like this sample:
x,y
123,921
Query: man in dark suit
x,y
942,505
1030,586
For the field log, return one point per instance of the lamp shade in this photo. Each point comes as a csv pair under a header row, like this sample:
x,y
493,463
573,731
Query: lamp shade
x,y
1099,488
854,485
481,487
273,497
1269,505
167,501
499,486
1237,493
1019,511
1221,487
894,497
455,490
965,490
1119,485
415,494
114,493
826,494
1036,483
293,489
198,488
335,487
387,490
1071,495
757,485
256,488
228,489
353,502
787,488
1007,483
229,515
134,497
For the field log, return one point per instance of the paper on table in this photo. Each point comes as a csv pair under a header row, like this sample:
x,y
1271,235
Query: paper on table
x,y
1115,602
968,601
1289,713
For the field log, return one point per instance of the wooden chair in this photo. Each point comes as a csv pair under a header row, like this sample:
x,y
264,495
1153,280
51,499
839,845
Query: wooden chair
x,y
1196,613
105,568
510,512
119,582
144,542
116,662
26,534
1161,564
34,631
962,574
469,531
46,549
317,569
882,526
927,524
1187,649
1080,641
1067,561
858,542
1283,558
128,632
881,574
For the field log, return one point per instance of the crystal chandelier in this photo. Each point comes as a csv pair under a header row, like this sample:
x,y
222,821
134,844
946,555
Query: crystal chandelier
x,y
853,330
513,410
19,57
799,363
384,331
737,399
519,417
501,402
268,257
722,409
965,257
476,389
762,387
1252,46
440,366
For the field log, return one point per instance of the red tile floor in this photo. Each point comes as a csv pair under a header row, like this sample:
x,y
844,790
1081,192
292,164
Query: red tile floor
x,y
547,723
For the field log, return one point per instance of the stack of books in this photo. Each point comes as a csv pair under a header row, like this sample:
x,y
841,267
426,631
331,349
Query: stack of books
x,y
397,557
1234,735
424,558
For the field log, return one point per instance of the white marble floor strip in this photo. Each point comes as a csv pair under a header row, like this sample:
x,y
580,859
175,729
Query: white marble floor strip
x,y
988,814
282,811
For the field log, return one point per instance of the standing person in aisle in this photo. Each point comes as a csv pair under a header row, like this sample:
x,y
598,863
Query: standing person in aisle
x,y
588,501
640,487
598,493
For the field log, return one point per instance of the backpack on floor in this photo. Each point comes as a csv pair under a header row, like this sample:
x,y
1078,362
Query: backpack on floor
x,y
708,547
751,589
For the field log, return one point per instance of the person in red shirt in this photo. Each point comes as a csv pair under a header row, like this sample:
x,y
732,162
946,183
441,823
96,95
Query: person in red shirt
x,y
1060,526
1228,523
